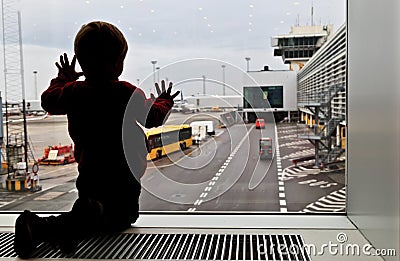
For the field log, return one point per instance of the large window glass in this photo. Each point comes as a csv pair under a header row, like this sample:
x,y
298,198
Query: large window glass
x,y
234,95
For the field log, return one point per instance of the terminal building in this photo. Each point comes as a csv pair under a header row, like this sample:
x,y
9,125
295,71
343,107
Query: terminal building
x,y
321,89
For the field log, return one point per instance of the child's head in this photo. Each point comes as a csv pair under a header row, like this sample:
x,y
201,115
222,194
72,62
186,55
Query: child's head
x,y
100,49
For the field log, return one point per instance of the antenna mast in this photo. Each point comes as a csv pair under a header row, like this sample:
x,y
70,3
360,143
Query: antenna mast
x,y
312,13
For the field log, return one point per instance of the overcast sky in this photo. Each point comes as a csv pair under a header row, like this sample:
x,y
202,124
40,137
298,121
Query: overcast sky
x,y
169,31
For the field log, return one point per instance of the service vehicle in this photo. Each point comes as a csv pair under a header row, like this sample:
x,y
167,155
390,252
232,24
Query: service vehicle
x,y
199,133
208,124
265,147
260,124
57,155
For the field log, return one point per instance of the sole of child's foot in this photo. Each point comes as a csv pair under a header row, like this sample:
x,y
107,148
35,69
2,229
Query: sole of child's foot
x,y
23,241
68,248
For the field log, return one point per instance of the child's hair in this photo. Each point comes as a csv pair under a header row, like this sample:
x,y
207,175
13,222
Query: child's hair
x,y
99,48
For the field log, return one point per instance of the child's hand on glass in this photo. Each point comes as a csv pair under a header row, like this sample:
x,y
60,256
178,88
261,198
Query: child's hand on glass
x,y
66,71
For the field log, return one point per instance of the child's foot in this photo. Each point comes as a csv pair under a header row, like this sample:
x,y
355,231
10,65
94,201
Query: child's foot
x,y
24,241
68,248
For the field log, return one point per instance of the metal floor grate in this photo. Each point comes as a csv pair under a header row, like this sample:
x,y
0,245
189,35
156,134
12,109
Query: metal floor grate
x,y
176,247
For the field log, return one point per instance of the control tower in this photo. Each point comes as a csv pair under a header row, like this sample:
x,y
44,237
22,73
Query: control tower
x,y
302,42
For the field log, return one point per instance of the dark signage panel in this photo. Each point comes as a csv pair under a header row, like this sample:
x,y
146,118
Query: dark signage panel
x,y
263,97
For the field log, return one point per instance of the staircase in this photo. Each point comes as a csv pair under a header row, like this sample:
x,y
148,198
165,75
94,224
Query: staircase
x,y
322,134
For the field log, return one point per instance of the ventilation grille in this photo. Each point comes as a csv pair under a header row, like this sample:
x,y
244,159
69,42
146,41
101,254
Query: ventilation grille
x,y
175,247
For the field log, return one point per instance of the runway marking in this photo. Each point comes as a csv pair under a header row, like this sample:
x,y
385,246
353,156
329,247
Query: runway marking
x,y
297,154
221,170
333,202
49,195
307,181
322,182
219,134
208,189
288,131
291,136
281,183
295,143
203,195
288,127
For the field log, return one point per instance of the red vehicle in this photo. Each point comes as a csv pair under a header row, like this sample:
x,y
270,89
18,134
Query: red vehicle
x,y
57,155
260,124
265,148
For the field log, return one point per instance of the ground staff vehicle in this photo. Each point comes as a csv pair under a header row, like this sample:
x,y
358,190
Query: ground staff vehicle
x,y
265,148
57,155
166,139
260,123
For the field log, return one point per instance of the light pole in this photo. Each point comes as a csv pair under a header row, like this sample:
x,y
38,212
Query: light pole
x,y
248,63
35,85
204,84
154,72
138,81
158,73
223,79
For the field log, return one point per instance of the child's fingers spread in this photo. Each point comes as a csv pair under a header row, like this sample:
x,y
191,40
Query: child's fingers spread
x,y
66,59
163,86
62,61
157,88
175,94
170,87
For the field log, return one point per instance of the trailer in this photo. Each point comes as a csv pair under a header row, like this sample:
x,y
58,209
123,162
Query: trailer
x,y
57,155
199,133
208,124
